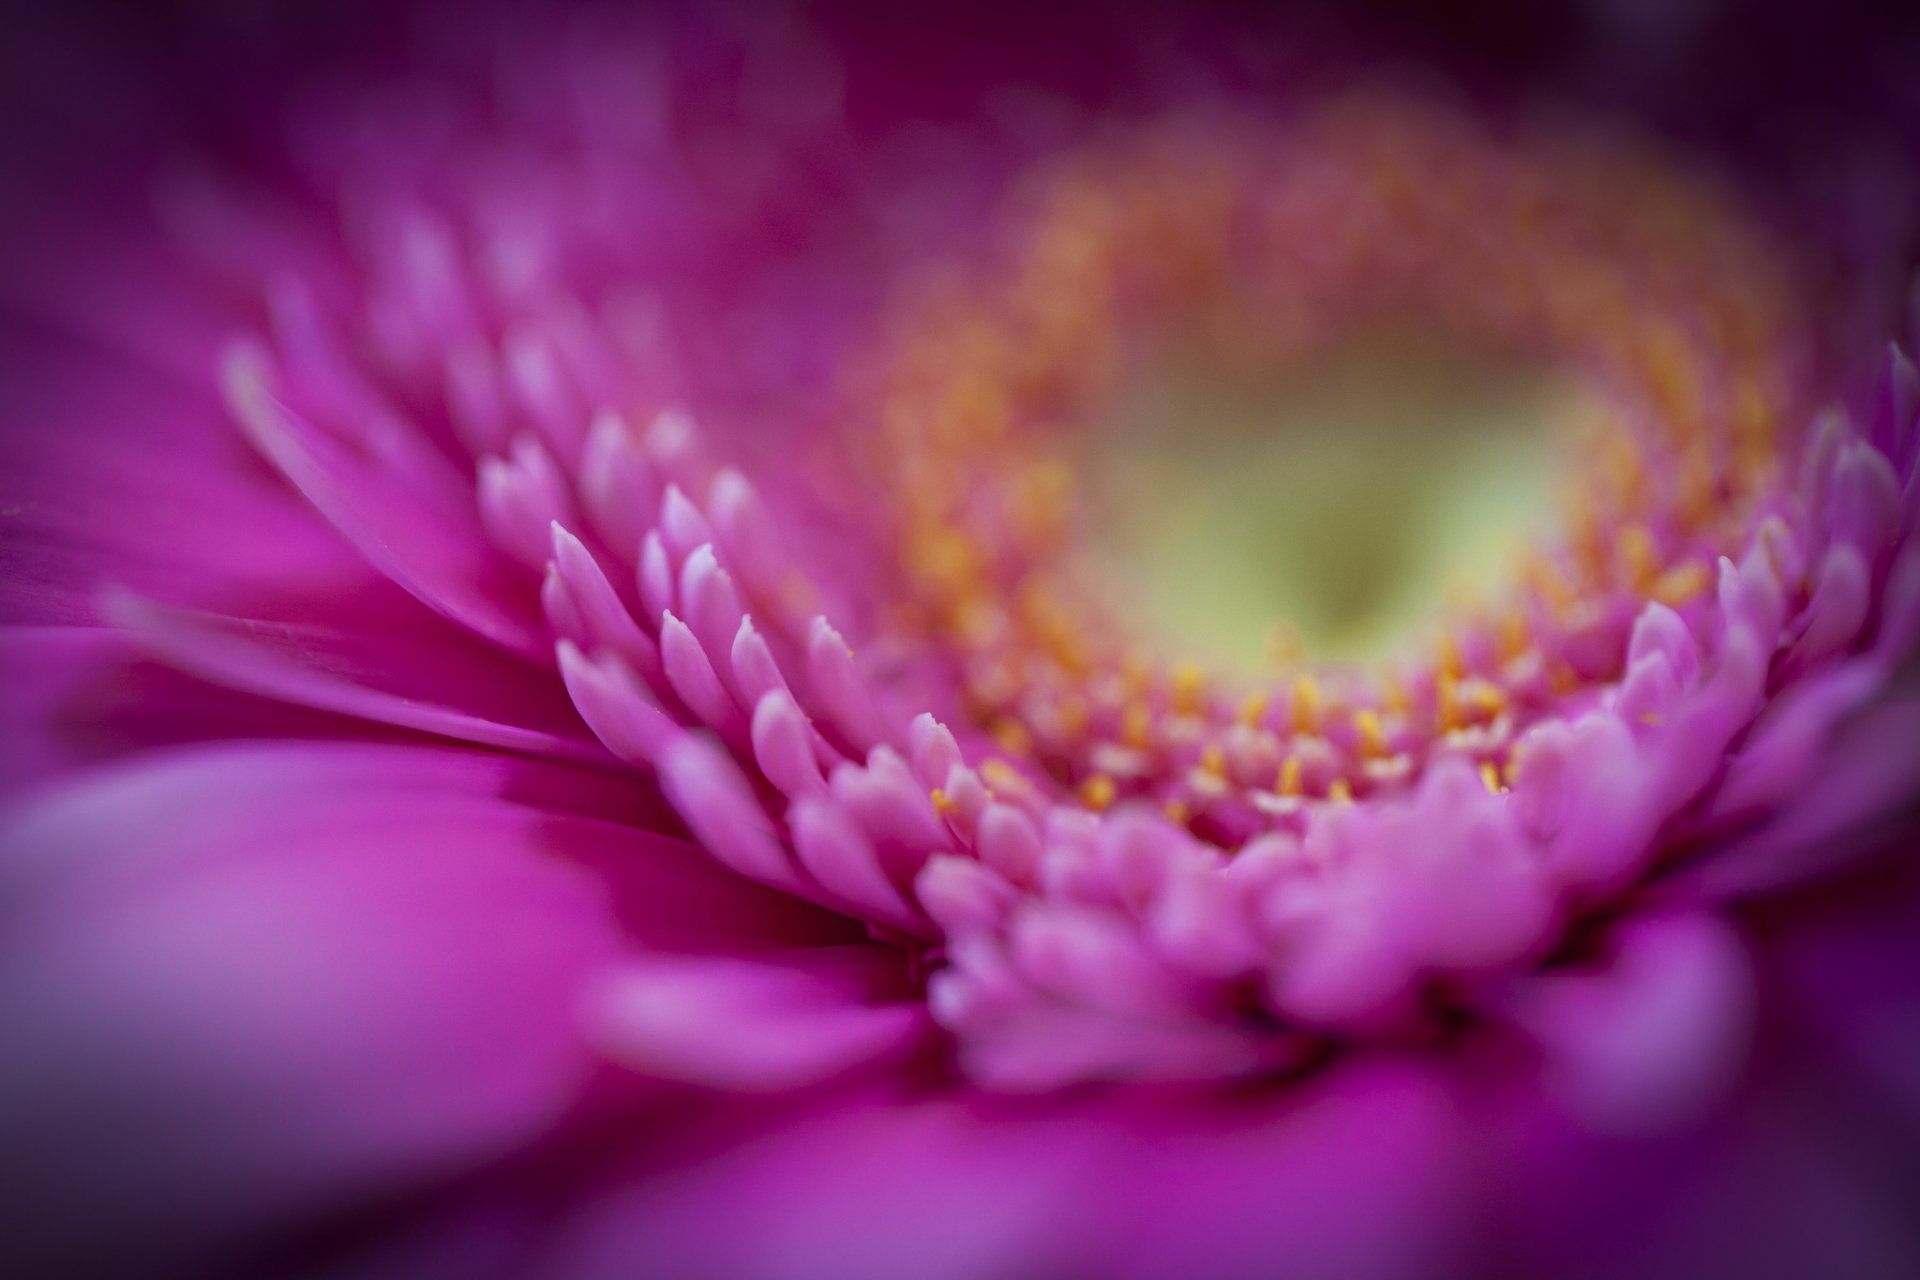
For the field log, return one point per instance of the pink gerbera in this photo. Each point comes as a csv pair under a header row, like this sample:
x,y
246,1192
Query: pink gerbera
x,y
797,670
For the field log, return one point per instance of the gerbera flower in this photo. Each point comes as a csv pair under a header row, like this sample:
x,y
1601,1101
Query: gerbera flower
x,y
638,647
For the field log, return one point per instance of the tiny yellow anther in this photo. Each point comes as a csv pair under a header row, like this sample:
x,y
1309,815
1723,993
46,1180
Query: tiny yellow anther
x,y
1485,700
1289,781
942,802
1373,738
999,774
1515,634
1393,694
1189,688
1214,760
1340,791
1446,701
1177,811
1013,737
1098,792
1490,775
1306,705
1253,708
1640,555
1549,583
1136,725
1681,584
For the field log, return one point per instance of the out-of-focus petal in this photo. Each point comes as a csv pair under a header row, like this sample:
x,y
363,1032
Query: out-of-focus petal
x,y
245,983
1357,1175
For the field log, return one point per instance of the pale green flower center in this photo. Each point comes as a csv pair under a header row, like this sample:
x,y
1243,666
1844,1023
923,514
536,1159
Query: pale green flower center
x,y
1348,503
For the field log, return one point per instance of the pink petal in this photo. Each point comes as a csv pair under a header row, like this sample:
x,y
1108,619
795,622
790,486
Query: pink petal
x,y
438,556
1655,1036
763,1024
243,981
381,659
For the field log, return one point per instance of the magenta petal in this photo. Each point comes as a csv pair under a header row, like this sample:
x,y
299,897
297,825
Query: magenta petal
x,y
1357,1177
114,481
247,980
618,485
1582,790
77,697
783,746
1866,774
383,660
715,801
448,566
1362,1175
767,1023
1769,769
616,705
604,620
861,1188
839,855
1654,1036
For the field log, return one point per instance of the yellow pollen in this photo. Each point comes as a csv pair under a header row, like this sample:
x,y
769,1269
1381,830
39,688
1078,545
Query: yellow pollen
x,y
1253,708
1547,580
1622,465
1446,701
1136,725
1098,792
944,557
1214,760
1393,695
1514,634
1306,705
1289,783
1373,739
1640,555
1012,736
1485,700
1189,686
1000,774
1681,584
1450,660
1490,775
1177,811
1340,791
943,803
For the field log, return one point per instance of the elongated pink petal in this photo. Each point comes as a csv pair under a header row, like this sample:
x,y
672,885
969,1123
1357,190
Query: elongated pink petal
x,y
255,979
446,567
766,1024
390,663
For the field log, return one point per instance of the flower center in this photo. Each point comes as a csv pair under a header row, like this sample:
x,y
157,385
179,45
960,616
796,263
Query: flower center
x,y
1354,501
1193,531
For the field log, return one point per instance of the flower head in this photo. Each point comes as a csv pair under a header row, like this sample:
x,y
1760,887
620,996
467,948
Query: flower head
x,y
688,722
